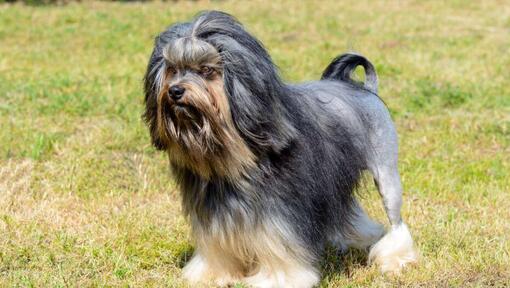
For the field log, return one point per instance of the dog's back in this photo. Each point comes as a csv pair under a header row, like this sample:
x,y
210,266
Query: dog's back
x,y
338,101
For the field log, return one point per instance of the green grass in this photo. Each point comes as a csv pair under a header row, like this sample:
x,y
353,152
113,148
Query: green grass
x,y
85,201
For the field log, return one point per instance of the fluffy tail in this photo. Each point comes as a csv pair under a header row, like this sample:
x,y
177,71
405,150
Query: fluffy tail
x,y
342,67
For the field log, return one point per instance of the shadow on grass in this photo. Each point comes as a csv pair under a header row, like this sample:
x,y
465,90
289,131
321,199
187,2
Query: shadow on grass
x,y
184,256
334,265
341,264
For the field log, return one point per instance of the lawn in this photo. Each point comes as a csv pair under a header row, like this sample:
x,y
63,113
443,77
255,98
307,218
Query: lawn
x,y
85,200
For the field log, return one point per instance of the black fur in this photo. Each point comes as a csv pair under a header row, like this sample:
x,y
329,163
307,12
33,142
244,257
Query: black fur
x,y
341,68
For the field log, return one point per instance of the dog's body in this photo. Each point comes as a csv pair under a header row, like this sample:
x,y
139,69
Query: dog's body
x,y
268,170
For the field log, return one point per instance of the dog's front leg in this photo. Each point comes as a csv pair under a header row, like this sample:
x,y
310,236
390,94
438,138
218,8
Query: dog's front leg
x,y
201,270
285,275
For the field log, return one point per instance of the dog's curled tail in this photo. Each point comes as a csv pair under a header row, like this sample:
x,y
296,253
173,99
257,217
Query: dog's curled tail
x,y
341,68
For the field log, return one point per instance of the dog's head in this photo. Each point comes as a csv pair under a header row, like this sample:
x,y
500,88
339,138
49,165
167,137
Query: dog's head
x,y
213,97
192,110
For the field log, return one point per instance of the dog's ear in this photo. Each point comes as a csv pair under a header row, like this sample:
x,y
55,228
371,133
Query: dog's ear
x,y
251,81
151,90
150,117
257,111
152,83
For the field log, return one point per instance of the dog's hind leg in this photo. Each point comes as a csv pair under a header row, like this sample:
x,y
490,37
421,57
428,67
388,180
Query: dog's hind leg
x,y
362,232
395,249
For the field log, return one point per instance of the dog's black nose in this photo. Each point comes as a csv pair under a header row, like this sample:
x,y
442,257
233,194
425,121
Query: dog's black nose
x,y
176,92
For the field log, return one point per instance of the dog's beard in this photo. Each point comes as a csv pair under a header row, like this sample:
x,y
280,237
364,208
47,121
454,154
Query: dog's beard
x,y
199,131
188,127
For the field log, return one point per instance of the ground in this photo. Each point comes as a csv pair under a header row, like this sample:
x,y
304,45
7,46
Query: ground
x,y
85,201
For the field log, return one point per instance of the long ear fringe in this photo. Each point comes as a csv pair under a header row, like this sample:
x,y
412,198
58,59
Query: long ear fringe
x,y
252,83
151,91
155,64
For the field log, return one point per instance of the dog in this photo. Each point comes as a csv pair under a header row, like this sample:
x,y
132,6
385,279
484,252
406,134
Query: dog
x,y
268,171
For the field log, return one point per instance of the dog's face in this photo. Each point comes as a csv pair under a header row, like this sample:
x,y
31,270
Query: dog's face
x,y
193,119
192,105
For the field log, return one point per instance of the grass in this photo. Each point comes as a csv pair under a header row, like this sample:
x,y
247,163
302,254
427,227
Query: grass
x,y
85,201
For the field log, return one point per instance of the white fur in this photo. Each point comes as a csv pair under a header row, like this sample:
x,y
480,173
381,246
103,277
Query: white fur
x,y
394,250
268,255
198,271
297,277
195,270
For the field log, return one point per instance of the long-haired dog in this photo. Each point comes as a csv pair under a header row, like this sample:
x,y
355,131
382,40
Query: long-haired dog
x,y
268,170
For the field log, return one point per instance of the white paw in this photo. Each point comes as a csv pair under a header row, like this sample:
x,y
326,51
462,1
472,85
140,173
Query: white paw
x,y
196,270
394,251
295,278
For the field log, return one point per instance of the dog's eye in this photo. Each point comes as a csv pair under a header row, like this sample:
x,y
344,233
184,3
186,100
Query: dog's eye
x,y
171,70
206,71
